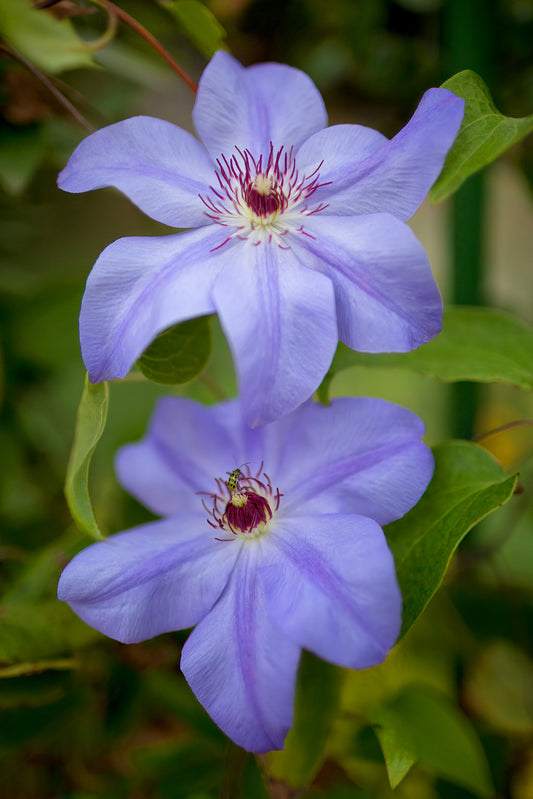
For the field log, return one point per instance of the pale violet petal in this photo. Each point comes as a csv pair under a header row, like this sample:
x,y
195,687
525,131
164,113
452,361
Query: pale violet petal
x,y
360,454
249,108
162,576
139,287
289,106
394,177
330,585
187,446
159,166
330,150
279,320
386,297
240,666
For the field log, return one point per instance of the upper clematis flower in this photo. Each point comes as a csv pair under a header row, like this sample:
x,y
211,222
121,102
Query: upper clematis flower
x,y
280,553
299,237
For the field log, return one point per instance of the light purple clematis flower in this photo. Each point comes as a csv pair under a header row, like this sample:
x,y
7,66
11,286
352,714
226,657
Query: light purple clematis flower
x,y
299,235
285,553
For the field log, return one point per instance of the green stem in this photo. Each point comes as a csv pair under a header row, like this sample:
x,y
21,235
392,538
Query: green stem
x,y
23,669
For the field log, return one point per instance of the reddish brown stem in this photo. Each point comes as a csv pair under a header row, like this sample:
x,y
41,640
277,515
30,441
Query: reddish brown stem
x,y
504,427
141,30
60,97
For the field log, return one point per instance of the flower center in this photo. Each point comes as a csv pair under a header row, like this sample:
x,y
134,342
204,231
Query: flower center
x,y
244,504
261,198
264,197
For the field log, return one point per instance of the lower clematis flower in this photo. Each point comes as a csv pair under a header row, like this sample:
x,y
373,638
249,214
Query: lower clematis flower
x,y
282,552
299,236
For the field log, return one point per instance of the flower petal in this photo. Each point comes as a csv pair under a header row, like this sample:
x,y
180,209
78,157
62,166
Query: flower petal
x,y
139,287
386,297
159,166
159,577
187,446
330,149
289,107
279,319
240,666
360,455
249,108
394,177
330,585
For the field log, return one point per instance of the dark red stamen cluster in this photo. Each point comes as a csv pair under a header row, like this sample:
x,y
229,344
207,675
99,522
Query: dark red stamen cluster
x,y
264,203
246,510
247,183
251,504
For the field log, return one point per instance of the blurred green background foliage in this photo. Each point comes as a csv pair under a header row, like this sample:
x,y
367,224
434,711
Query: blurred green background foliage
x,y
85,717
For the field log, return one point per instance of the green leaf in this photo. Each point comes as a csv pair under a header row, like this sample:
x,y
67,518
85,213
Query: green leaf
x,y
317,698
36,667
49,43
172,696
467,485
253,783
199,24
179,354
33,633
396,742
484,135
21,152
476,344
90,424
498,688
419,725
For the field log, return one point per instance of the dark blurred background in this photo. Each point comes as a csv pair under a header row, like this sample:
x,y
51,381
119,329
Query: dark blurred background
x,y
83,717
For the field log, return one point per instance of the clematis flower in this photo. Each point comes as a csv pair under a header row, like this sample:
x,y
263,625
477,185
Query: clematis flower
x,y
298,235
271,543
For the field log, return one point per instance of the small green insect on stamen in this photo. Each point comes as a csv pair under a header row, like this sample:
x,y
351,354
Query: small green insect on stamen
x,y
233,481
244,505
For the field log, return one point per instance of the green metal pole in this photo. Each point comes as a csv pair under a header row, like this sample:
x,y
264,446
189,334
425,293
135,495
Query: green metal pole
x,y
468,27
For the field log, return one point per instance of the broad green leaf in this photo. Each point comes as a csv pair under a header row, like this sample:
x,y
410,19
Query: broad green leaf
x,y
476,344
171,695
179,354
90,424
420,725
467,485
498,688
199,24
49,43
396,742
35,632
484,135
317,698
21,152
38,571
252,783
